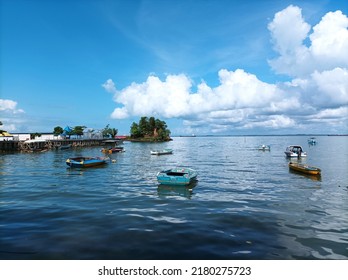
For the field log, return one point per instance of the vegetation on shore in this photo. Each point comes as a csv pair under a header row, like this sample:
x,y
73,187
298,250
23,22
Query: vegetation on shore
x,y
79,131
149,130
146,130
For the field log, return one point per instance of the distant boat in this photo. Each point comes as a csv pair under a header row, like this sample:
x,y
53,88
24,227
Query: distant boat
x,y
112,150
115,141
177,176
83,162
162,152
264,148
303,168
295,151
312,141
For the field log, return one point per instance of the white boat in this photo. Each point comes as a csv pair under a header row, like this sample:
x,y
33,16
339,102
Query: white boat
x,y
312,141
295,151
264,148
162,152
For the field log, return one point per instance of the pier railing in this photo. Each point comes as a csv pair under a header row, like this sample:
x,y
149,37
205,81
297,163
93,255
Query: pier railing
x,y
43,145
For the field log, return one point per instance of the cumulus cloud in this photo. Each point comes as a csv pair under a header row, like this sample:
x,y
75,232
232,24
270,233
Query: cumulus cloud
x,y
238,95
327,48
317,92
10,114
9,106
330,40
109,86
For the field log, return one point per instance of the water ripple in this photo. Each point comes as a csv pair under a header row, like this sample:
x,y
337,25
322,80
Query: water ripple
x,y
246,204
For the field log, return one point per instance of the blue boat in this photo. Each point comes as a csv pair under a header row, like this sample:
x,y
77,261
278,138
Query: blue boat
x,y
82,162
179,176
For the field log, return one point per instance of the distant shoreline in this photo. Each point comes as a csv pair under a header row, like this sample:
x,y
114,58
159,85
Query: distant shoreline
x,y
258,135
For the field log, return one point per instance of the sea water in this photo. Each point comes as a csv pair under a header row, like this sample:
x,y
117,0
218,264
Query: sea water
x,y
247,204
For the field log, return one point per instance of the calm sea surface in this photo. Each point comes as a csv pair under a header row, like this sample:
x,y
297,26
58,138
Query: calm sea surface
x,y
246,204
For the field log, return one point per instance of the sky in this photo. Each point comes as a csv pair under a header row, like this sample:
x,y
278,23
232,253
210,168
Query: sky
x,y
205,67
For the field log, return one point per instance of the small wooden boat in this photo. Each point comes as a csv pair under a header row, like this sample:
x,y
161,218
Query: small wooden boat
x,y
177,176
162,152
113,150
264,148
295,151
304,168
82,162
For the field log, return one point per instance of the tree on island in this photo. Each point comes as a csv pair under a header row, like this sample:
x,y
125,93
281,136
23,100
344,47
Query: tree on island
x,y
150,128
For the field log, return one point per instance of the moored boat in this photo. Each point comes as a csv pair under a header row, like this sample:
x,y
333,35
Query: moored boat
x,y
113,150
312,141
304,168
162,152
179,176
295,151
264,148
82,162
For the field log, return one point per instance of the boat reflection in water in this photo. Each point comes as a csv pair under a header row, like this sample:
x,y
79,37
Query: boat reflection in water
x,y
312,177
172,190
305,170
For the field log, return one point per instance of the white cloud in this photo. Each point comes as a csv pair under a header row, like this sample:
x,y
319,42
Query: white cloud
x,y
274,122
120,113
332,87
10,115
288,30
9,106
173,97
319,88
328,42
338,113
109,86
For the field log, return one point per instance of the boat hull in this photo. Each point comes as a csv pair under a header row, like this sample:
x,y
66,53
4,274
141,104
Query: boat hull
x,y
295,151
113,150
303,168
264,148
162,152
83,162
177,177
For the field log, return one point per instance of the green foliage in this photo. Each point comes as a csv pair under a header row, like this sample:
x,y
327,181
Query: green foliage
x,y
108,131
135,131
1,131
150,128
33,135
77,130
57,130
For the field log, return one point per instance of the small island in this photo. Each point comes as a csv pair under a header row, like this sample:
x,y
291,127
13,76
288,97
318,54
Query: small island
x,y
149,130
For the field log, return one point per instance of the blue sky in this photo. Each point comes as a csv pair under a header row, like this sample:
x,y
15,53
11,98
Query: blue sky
x,y
204,66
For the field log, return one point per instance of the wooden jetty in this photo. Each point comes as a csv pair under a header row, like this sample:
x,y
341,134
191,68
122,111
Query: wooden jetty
x,y
44,145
